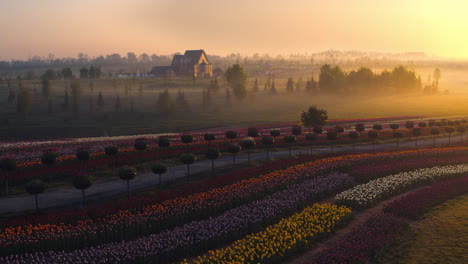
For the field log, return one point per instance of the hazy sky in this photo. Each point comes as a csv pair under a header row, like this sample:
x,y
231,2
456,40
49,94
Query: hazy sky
x,y
99,27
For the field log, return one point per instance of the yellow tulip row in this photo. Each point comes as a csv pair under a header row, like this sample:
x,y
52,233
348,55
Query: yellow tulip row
x,y
282,239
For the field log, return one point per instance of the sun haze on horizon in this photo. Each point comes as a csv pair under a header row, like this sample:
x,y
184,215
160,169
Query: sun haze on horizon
x,y
100,27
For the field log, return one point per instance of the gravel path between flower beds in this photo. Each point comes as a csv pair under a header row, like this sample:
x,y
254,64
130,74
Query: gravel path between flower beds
x,y
99,191
359,219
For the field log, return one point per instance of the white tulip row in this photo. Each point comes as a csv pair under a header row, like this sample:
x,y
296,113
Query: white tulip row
x,y
366,195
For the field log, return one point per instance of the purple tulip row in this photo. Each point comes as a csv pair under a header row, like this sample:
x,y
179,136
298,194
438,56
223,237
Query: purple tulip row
x,y
199,236
363,242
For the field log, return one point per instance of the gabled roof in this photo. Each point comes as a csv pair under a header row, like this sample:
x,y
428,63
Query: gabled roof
x,y
177,59
193,56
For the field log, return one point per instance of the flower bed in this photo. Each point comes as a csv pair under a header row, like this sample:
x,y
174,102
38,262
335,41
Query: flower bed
x,y
370,171
197,236
282,239
107,208
126,224
151,219
415,204
366,195
369,241
363,243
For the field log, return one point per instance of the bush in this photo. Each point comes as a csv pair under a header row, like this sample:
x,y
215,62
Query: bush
x,y
7,164
82,181
127,173
159,168
140,144
409,124
164,142
233,148
187,139
311,136
212,154
188,158
248,143
231,134
275,132
317,130
339,129
360,127
267,140
296,130
82,154
209,137
49,158
252,132
111,150
35,187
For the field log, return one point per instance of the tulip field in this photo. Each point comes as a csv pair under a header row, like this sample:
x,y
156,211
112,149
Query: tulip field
x,y
271,212
380,230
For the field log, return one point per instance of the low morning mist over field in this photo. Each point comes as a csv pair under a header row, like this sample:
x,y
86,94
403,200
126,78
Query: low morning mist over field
x,y
265,131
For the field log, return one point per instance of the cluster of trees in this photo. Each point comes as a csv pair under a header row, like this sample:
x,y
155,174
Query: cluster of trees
x,y
364,80
64,73
237,80
333,80
82,59
310,86
91,72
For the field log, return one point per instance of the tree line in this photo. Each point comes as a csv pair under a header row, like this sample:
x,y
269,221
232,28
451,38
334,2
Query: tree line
x,y
333,80
366,81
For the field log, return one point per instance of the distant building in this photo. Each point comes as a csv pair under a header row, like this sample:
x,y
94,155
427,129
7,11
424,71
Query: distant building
x,y
193,63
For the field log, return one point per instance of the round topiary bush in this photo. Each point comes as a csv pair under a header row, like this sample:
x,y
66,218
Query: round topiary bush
x,y
49,158
35,186
159,168
83,154
209,137
82,181
252,132
231,134
164,142
296,130
275,132
111,150
187,139
318,130
127,173
7,164
140,145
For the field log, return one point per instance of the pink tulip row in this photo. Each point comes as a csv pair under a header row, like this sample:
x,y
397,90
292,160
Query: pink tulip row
x,y
415,204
